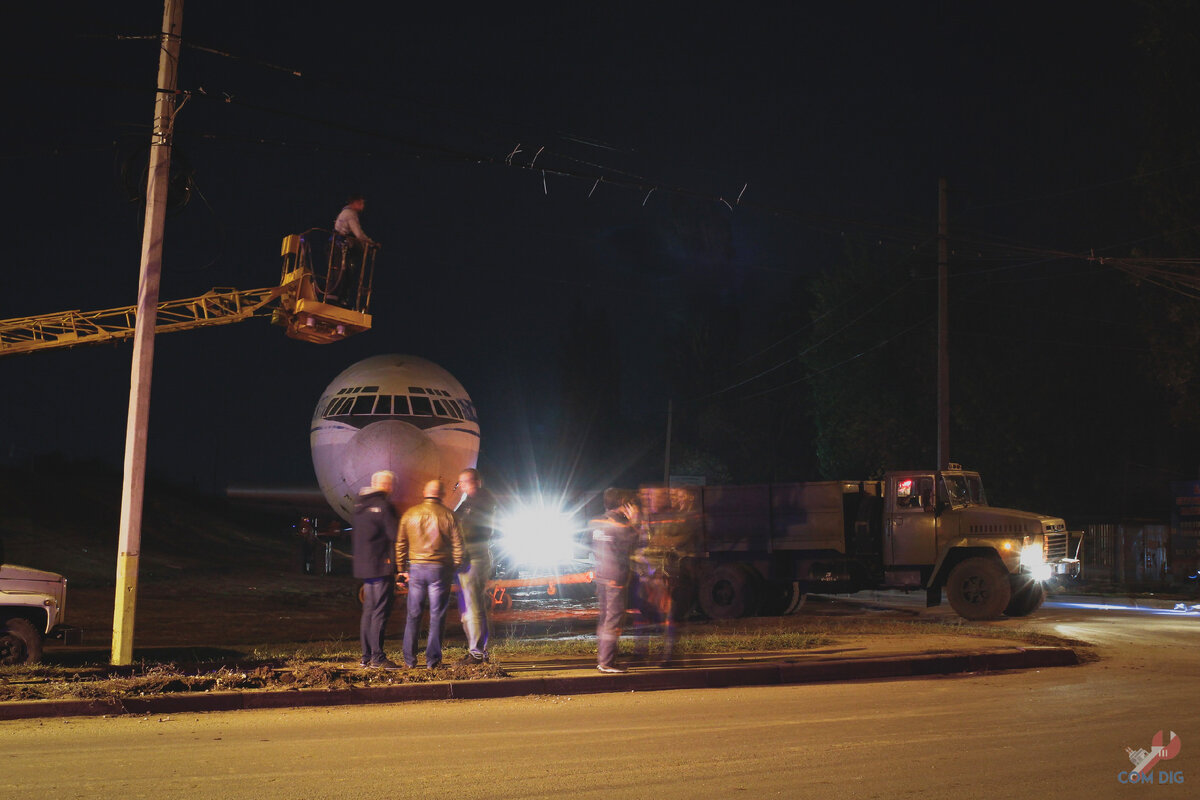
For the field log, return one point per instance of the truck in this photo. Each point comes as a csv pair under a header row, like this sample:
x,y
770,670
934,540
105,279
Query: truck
x,y
766,546
33,608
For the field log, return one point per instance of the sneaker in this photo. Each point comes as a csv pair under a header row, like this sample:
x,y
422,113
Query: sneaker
x,y
611,669
469,659
384,663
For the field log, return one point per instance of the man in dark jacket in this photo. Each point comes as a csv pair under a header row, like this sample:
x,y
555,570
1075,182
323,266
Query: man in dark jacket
x,y
428,551
374,540
476,514
613,537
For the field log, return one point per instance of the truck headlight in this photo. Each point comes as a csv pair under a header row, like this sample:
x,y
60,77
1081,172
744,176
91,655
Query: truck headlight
x,y
1033,560
538,534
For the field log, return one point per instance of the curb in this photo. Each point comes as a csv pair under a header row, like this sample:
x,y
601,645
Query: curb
x,y
773,674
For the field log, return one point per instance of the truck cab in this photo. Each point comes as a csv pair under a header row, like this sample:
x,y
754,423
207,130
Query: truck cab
x,y
940,532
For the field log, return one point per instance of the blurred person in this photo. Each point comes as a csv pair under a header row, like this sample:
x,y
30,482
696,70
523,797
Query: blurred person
x,y
667,567
613,538
429,549
374,541
476,512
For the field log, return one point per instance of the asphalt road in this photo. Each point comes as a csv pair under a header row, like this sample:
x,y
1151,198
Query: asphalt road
x,y
1059,732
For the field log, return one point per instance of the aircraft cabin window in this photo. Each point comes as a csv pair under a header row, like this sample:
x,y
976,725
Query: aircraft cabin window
x,y
384,404
421,407
400,405
440,408
415,390
363,404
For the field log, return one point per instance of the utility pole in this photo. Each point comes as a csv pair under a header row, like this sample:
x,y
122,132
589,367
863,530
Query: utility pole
x,y
667,454
134,476
943,348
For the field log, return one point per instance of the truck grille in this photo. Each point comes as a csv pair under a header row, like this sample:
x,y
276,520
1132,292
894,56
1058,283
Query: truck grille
x,y
1054,546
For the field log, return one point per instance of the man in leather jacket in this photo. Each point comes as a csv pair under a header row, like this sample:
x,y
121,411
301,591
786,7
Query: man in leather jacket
x,y
429,549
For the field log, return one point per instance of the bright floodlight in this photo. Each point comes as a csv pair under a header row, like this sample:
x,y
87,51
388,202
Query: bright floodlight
x,y
538,535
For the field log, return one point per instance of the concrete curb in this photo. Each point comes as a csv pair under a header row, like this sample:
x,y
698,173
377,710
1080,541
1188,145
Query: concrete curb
x,y
770,674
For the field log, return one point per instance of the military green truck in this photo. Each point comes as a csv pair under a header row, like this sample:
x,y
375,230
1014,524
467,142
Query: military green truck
x,y
768,545
33,607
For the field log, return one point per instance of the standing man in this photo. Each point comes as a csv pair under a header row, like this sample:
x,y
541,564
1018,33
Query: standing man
x,y
374,541
476,513
350,238
428,550
613,538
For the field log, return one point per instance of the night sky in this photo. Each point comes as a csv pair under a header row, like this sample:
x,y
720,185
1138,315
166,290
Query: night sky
x,y
828,120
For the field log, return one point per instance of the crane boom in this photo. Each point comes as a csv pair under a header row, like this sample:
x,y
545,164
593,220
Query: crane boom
x,y
298,309
70,328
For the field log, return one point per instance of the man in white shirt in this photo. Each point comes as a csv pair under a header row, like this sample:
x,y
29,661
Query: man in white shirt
x,y
347,223
350,254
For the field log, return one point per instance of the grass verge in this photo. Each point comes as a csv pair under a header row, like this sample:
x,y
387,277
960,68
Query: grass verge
x,y
334,664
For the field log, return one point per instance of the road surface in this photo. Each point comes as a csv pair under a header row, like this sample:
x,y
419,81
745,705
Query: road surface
x,y
1059,732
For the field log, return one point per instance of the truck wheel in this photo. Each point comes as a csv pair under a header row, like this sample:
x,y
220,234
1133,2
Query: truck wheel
x,y
729,591
1027,596
978,588
20,643
782,598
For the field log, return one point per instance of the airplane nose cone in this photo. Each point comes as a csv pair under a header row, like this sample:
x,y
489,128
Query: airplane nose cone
x,y
395,446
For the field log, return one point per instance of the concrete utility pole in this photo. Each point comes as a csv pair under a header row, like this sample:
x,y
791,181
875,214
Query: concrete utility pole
x,y
133,483
667,454
943,347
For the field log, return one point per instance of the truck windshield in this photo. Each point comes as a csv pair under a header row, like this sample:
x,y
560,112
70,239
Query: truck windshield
x,y
956,490
975,490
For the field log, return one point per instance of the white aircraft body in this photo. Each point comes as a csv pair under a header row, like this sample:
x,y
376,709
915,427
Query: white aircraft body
x,y
392,412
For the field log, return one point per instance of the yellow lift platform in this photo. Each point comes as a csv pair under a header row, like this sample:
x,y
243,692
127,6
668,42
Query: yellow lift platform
x,y
308,308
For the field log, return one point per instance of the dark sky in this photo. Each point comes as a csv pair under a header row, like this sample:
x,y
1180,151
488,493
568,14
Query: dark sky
x,y
836,119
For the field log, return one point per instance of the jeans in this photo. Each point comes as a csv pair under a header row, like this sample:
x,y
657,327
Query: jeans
x,y
378,594
610,600
473,599
427,583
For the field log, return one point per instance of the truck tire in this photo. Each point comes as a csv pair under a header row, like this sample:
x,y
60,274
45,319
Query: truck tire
x,y
729,591
782,598
1027,596
978,588
20,643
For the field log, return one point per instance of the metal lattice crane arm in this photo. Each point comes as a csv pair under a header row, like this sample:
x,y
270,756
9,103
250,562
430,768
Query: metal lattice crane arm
x,y
70,328
301,308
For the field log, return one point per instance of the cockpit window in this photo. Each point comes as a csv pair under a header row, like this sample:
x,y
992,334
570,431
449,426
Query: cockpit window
x,y
332,403
383,405
363,404
415,390
344,406
400,405
440,408
421,407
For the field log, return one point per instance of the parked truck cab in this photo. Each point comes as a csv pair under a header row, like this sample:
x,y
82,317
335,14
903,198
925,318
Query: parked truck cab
x,y
990,561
